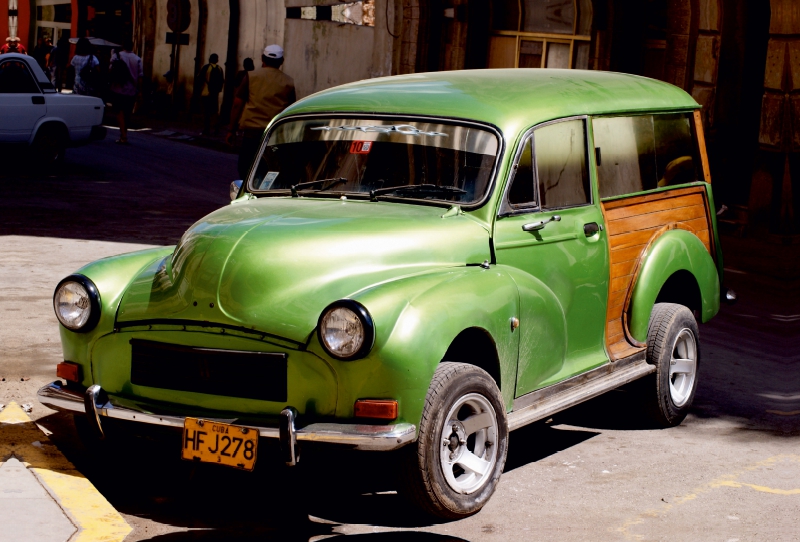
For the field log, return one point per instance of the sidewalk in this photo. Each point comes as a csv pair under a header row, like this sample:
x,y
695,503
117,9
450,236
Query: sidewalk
x,y
179,128
43,497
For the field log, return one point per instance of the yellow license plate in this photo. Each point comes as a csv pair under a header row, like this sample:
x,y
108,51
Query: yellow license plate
x,y
221,443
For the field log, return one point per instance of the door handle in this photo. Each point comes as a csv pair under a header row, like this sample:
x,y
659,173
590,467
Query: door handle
x,y
536,226
592,228
37,100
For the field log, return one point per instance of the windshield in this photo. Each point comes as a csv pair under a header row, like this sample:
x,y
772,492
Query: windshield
x,y
378,158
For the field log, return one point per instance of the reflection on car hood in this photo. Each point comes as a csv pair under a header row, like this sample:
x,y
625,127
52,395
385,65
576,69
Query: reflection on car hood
x,y
273,264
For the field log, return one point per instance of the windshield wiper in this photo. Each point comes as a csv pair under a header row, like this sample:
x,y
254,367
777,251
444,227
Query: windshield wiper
x,y
415,189
333,182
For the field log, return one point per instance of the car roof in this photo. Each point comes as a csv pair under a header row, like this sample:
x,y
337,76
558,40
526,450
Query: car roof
x,y
511,99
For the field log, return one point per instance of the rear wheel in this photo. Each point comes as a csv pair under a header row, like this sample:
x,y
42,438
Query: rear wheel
x,y
453,469
48,146
673,347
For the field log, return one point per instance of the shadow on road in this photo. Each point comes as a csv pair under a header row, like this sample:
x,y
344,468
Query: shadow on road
x,y
148,192
142,476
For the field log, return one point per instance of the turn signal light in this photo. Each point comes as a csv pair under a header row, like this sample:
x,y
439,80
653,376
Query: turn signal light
x,y
376,408
68,371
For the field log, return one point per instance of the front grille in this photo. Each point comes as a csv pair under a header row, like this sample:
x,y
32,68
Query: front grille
x,y
249,375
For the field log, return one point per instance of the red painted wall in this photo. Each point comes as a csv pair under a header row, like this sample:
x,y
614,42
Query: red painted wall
x,y
23,23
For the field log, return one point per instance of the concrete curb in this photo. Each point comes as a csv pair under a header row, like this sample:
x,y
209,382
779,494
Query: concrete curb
x,y
88,510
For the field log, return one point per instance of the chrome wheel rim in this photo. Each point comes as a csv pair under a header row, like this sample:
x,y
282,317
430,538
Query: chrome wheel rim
x,y
682,367
468,444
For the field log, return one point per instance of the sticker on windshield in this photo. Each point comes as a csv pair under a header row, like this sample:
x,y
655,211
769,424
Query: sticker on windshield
x,y
402,129
360,147
269,178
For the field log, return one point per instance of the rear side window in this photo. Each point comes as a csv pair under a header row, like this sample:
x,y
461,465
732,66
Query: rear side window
x,y
15,78
561,173
644,152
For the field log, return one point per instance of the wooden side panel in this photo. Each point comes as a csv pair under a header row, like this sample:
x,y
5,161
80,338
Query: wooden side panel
x,y
632,224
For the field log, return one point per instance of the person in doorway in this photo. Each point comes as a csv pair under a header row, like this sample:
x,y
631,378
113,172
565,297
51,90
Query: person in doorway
x,y
85,64
212,79
126,76
41,51
263,94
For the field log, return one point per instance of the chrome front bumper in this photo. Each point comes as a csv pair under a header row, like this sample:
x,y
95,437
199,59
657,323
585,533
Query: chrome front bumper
x,y
359,437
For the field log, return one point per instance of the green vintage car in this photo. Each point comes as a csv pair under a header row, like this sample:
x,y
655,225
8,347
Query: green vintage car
x,y
423,262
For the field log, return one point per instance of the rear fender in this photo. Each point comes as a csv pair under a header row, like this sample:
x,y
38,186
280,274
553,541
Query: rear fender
x,y
673,251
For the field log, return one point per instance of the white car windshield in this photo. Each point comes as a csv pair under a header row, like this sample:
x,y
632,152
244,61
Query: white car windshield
x,y
379,158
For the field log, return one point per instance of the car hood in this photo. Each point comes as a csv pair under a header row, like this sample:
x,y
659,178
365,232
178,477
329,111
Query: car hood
x,y
273,264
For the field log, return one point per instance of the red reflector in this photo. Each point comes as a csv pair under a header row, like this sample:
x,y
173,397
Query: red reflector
x,y
68,371
375,408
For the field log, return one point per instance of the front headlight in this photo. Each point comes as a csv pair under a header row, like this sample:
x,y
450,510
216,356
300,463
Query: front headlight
x,y
346,330
77,303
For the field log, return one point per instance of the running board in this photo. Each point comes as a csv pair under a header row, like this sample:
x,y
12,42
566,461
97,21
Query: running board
x,y
543,403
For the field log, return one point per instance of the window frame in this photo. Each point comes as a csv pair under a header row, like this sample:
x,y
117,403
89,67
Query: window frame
x,y
506,208
30,73
696,147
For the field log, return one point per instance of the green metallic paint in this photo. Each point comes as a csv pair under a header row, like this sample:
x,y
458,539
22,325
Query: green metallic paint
x,y
111,276
673,251
416,319
413,267
247,265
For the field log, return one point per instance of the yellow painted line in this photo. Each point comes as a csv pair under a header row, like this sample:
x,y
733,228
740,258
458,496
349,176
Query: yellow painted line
x,y
94,516
728,480
782,413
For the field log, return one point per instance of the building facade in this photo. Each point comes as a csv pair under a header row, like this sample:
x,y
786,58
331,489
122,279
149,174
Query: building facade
x,y
740,59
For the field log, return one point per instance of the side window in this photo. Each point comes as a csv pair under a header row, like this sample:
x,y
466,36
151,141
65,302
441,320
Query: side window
x,y
522,195
626,159
640,153
16,79
561,172
676,161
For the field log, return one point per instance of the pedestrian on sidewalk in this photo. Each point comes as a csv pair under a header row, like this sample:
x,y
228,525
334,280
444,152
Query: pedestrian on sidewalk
x,y
263,94
85,64
59,58
126,77
212,79
247,66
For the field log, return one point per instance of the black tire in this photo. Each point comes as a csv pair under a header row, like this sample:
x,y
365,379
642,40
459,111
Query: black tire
x,y
423,479
672,327
49,146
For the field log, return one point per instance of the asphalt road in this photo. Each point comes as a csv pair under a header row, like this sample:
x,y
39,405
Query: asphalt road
x,y
598,471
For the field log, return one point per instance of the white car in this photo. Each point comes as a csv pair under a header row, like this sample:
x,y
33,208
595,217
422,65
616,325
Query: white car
x,y
33,113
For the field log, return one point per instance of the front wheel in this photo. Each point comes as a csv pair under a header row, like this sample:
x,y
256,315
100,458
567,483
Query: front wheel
x,y
673,347
453,469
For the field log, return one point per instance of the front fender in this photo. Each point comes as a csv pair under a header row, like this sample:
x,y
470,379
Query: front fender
x,y
111,276
675,250
416,319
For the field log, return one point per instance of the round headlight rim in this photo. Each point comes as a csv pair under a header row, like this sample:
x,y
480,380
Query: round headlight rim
x,y
94,300
366,321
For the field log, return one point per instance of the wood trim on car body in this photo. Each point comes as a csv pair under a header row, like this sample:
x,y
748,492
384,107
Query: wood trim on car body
x,y
701,145
633,224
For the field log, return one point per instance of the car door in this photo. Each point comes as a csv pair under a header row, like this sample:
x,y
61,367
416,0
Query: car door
x,y
21,101
551,227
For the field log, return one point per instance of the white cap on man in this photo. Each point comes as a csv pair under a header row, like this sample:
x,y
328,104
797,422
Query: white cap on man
x,y
273,51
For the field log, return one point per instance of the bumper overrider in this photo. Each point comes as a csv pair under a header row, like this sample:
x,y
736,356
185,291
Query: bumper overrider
x,y
96,405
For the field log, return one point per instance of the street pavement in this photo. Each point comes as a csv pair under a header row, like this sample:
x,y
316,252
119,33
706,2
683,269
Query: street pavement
x,y
598,471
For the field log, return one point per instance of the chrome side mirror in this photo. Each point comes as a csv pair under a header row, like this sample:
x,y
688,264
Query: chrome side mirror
x,y
236,186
